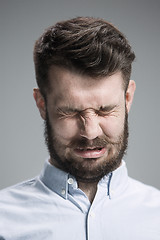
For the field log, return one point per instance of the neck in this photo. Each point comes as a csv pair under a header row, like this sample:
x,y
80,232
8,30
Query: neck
x,y
89,189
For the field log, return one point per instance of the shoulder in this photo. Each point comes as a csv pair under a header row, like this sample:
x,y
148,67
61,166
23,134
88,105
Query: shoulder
x,y
143,192
140,186
17,192
32,191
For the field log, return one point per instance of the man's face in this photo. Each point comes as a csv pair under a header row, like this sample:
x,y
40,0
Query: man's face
x,y
86,123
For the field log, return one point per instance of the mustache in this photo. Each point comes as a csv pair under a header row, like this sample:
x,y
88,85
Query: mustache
x,y
84,143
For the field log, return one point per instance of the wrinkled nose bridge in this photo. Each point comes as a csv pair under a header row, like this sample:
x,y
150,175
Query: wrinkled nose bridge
x,y
87,115
90,125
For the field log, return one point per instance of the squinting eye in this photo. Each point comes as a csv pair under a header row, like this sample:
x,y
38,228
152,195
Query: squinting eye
x,y
61,114
103,113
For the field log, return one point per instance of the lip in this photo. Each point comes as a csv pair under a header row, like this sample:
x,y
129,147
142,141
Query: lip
x,y
90,153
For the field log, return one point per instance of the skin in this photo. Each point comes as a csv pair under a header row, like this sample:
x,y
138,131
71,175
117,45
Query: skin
x,y
82,107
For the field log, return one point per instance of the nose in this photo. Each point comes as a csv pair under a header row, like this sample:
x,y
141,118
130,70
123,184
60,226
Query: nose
x,y
90,127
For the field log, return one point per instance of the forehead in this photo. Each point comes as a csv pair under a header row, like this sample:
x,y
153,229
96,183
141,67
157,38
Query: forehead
x,y
71,87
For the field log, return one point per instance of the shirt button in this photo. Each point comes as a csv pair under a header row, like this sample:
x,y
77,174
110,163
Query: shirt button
x,y
92,214
112,192
63,192
70,181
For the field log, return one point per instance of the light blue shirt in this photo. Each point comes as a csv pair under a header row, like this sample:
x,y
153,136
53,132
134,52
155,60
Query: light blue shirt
x,y
52,207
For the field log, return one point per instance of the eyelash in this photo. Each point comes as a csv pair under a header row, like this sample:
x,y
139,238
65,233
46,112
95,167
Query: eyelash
x,y
103,113
62,114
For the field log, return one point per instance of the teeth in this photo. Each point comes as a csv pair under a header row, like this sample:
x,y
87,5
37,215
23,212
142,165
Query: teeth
x,y
90,149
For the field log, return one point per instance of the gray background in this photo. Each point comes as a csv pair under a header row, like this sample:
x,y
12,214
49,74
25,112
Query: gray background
x,y
22,148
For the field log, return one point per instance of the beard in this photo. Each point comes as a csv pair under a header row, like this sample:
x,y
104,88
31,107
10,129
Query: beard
x,y
83,169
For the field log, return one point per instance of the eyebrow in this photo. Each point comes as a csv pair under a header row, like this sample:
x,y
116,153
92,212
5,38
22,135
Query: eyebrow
x,y
73,110
108,108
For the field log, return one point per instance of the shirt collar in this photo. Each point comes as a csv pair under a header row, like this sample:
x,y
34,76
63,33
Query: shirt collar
x,y
118,181
55,179
59,181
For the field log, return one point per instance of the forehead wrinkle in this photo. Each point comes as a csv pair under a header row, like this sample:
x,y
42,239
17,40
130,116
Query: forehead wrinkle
x,y
106,108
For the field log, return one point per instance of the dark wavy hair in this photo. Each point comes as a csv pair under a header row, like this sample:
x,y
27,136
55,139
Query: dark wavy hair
x,y
87,45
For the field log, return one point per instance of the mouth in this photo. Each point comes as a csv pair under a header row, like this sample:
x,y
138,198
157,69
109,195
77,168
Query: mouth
x,y
95,152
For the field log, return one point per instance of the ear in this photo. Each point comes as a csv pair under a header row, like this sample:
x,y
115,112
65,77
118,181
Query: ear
x,y
40,102
130,94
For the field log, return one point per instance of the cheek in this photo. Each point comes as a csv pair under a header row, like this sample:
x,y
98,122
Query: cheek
x,y
112,127
65,129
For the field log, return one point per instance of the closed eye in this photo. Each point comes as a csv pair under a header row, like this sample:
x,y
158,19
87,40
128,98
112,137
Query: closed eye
x,y
65,114
103,113
106,111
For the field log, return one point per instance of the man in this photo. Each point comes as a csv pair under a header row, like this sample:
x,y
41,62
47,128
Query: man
x,y
84,95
